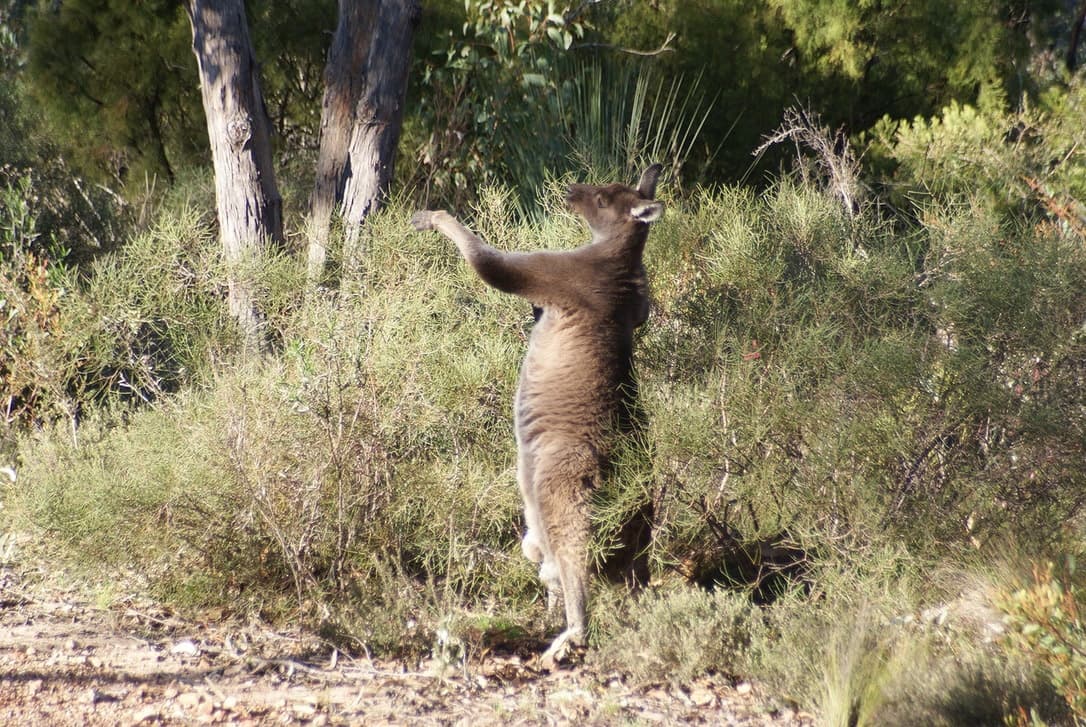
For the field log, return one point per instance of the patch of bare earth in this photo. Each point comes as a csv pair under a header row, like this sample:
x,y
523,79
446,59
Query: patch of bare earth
x,y
65,662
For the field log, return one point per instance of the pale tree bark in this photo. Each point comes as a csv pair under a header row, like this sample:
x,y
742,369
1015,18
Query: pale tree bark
x,y
247,199
361,117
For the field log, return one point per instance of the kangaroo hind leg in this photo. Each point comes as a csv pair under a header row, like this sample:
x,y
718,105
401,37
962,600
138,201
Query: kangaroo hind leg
x,y
534,543
562,492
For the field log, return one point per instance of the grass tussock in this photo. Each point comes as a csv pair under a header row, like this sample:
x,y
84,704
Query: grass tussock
x,y
839,404
679,633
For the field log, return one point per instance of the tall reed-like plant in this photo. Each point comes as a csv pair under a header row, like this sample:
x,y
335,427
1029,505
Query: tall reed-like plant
x,y
619,116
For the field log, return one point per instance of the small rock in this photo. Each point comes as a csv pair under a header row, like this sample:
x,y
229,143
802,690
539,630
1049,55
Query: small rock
x,y
90,696
189,699
34,686
702,697
936,616
743,688
304,710
147,714
185,647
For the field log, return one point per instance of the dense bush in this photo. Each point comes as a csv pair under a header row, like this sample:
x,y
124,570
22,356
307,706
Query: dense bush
x,y
361,476
125,328
518,97
841,379
1028,161
854,62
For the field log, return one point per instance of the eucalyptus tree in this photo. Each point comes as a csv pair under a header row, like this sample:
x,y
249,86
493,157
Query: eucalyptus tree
x,y
249,206
361,116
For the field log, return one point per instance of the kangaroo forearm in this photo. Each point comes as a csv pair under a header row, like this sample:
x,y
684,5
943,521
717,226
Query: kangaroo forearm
x,y
497,268
469,244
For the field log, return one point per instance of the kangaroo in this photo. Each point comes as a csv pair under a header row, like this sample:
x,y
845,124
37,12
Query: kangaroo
x,y
577,389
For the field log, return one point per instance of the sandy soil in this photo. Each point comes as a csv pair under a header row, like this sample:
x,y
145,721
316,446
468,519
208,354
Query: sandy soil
x,y
64,661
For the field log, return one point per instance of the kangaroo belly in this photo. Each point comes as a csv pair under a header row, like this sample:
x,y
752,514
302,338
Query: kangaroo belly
x,y
573,387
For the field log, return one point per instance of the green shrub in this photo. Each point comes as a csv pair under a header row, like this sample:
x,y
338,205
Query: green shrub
x,y
369,468
142,321
1046,624
1025,161
45,208
947,679
821,380
513,101
887,639
679,634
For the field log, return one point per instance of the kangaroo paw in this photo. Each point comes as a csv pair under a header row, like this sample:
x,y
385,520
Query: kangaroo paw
x,y
568,645
423,220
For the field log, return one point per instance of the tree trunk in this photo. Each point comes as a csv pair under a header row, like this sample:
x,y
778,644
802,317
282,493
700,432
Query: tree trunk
x,y
249,206
361,116
1076,33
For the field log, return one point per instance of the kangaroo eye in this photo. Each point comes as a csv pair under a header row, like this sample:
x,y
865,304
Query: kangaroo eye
x,y
599,201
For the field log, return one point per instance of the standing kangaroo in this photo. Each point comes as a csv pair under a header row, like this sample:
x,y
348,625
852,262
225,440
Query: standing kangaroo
x,y
577,388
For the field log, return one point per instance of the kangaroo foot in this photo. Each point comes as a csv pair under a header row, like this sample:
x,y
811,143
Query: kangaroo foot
x,y
568,645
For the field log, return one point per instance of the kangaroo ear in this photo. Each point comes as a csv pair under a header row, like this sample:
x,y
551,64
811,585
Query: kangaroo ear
x,y
649,177
647,212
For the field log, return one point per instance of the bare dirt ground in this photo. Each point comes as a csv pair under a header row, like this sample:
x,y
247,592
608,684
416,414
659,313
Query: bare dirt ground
x,y
64,661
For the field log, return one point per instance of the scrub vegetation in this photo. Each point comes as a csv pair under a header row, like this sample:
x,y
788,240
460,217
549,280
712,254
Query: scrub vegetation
x,y
866,414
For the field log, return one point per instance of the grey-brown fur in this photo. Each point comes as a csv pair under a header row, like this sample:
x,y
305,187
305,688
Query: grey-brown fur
x,y
576,386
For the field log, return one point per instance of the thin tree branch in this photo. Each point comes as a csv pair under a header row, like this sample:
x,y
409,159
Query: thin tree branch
x,y
665,47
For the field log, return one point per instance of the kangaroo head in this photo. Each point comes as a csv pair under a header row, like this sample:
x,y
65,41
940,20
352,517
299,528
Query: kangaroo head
x,y
616,210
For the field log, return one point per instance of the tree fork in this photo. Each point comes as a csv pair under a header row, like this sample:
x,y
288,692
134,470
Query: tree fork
x,y
361,116
247,199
